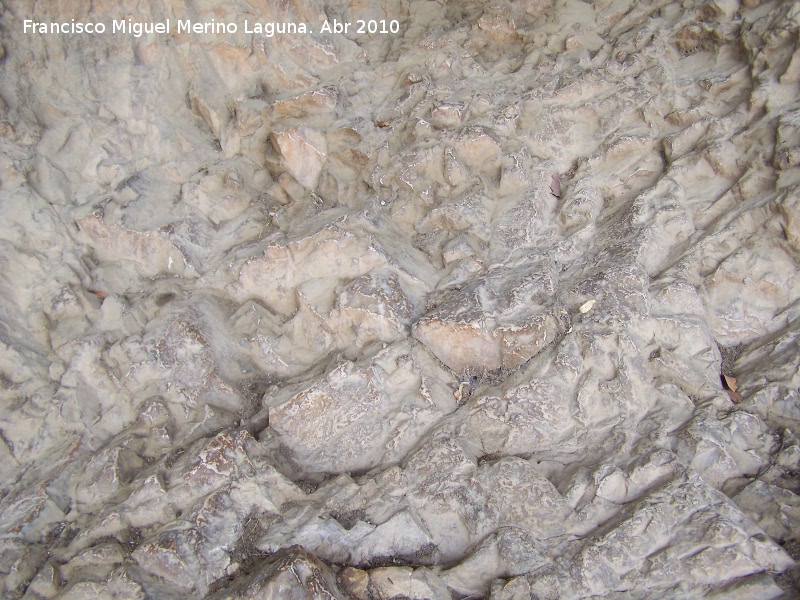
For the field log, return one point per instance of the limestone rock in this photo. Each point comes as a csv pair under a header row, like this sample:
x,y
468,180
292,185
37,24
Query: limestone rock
x,y
474,330
304,151
293,572
444,305
478,149
151,252
417,584
507,553
772,508
735,319
104,477
719,521
274,277
333,424
313,103
515,478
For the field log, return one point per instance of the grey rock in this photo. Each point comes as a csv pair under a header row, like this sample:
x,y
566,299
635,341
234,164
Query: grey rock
x,y
306,314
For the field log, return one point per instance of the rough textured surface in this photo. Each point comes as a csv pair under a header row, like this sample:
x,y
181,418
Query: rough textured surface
x,y
434,314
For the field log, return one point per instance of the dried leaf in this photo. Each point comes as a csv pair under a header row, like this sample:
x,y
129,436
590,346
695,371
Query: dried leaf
x,y
735,397
99,293
730,382
382,123
555,185
729,385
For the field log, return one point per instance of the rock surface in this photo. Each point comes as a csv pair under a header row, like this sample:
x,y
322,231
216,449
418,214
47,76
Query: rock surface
x,y
503,304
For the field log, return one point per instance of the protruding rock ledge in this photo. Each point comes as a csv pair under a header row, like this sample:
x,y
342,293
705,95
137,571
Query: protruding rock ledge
x,y
471,331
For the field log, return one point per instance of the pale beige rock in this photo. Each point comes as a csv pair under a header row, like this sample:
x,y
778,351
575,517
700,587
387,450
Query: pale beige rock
x,y
790,209
478,149
210,116
457,249
334,423
469,331
525,419
96,563
515,488
45,583
26,512
402,536
581,205
448,500
304,152
209,387
150,252
309,104
292,572
468,213
355,582
117,586
105,476
729,451
773,507
508,552
448,115
514,175
743,309
416,584
220,196
375,308
166,558
274,277
454,172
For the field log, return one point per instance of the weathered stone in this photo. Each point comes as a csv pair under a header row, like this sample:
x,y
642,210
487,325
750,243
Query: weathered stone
x,y
26,514
772,508
478,149
217,247
448,500
728,451
522,497
470,213
308,104
355,582
469,330
711,530
508,552
292,573
274,277
304,151
357,418
151,252
743,309
415,584
95,563
104,477
528,418
220,196
448,115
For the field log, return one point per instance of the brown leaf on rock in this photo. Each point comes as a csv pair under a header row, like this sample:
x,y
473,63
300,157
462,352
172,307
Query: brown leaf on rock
x,y
729,385
735,397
